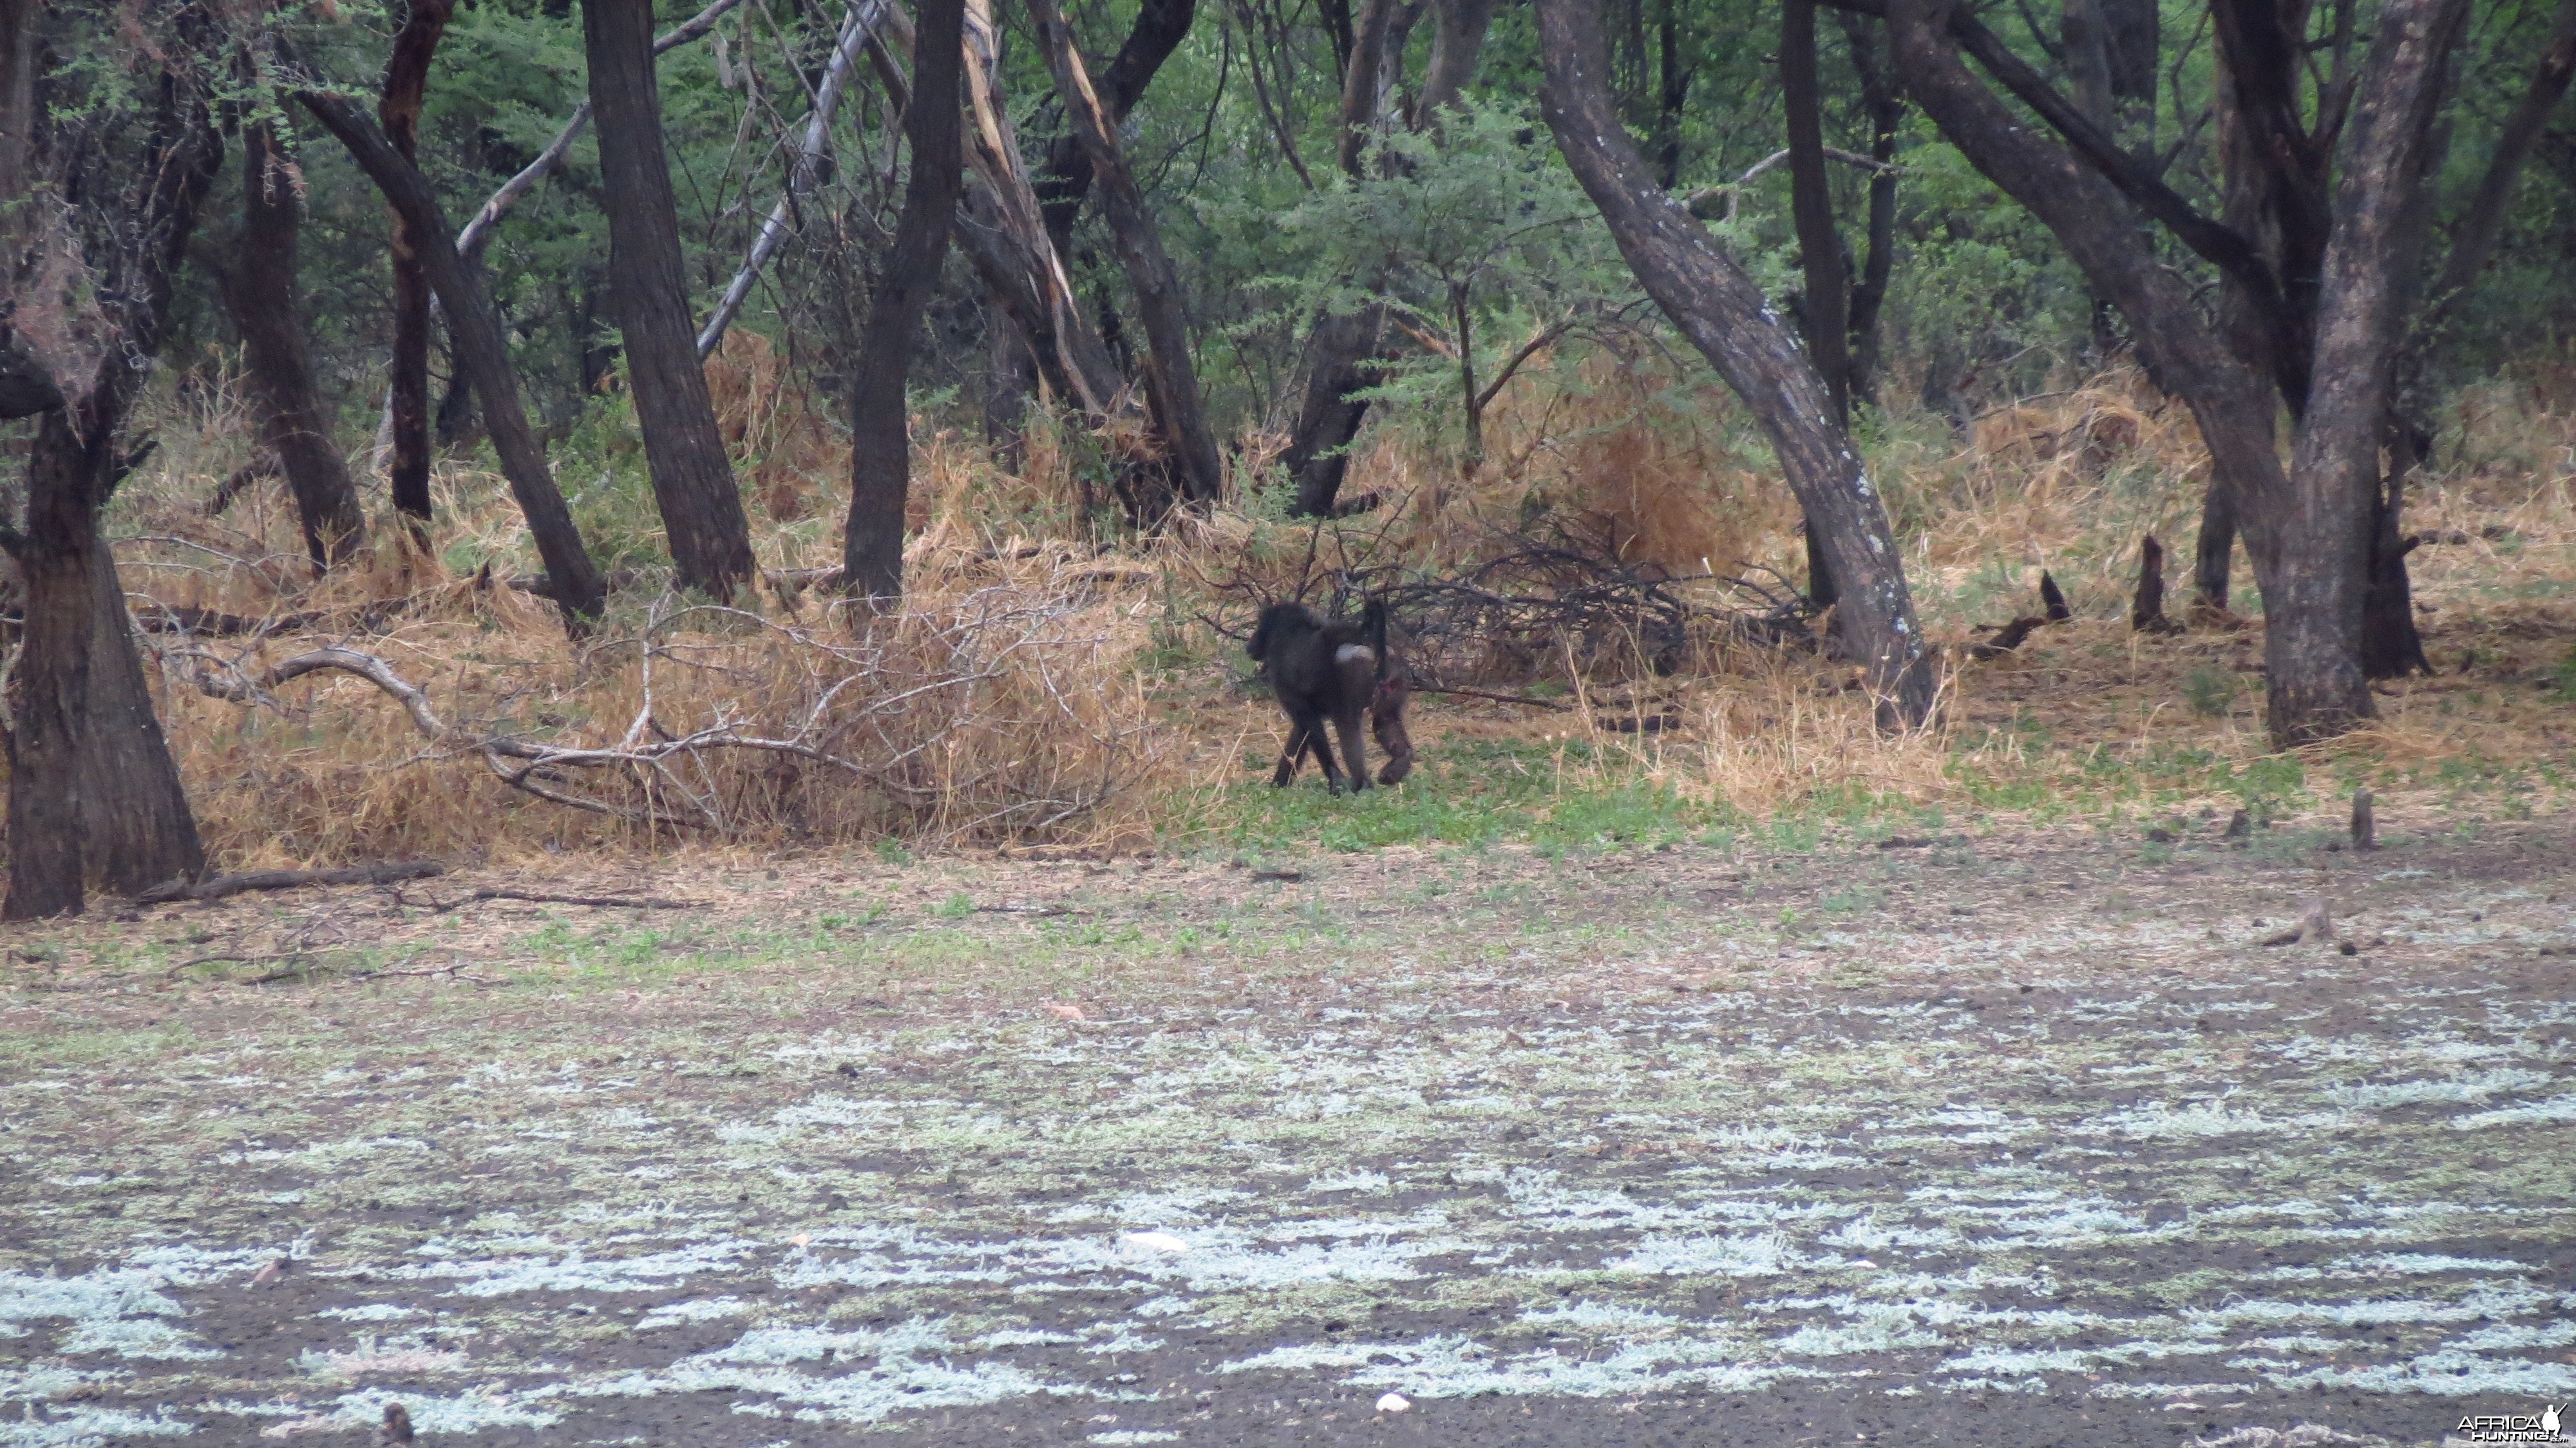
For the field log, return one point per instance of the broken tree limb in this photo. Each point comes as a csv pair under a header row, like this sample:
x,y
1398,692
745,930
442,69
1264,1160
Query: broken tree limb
x,y
1172,379
2147,609
2052,599
218,887
2008,638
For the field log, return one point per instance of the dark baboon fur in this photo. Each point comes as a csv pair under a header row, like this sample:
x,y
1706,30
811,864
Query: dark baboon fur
x,y
1333,671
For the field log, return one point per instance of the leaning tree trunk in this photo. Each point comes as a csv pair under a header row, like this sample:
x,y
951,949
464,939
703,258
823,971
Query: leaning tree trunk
x,y
1172,379
259,292
693,481
482,354
1726,316
1161,26
398,108
880,437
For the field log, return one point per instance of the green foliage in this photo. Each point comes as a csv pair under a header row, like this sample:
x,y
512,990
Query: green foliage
x,y
2210,690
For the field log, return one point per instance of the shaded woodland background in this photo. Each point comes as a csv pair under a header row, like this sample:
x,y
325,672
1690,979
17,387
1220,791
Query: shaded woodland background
x,y
951,537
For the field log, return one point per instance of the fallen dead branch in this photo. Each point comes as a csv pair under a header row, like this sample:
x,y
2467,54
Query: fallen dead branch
x,y
545,897
218,887
798,714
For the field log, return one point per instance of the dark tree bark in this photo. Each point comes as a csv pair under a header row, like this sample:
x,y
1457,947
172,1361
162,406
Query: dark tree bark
x,y
2147,606
482,355
1885,109
1727,318
1161,26
259,291
95,801
2232,403
2134,30
693,481
1820,248
880,439
1676,78
398,106
2330,545
1171,380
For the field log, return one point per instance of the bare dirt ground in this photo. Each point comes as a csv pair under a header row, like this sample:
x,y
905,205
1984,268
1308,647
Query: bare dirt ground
x,y
2020,1138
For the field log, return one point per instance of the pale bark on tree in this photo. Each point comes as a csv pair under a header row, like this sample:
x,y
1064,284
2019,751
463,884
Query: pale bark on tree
x,y
1171,377
1161,26
1003,230
95,800
804,172
1709,297
693,482
482,355
880,440
398,107
259,290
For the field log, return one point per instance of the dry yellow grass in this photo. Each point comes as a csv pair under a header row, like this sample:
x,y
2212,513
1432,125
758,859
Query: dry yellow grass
x,y
1065,689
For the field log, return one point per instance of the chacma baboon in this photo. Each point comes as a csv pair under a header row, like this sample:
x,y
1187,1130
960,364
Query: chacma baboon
x,y
1333,671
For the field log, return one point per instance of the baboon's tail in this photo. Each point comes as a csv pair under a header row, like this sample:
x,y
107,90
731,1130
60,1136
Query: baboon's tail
x,y
1373,624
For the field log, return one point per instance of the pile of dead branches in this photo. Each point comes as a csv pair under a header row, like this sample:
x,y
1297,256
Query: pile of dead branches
x,y
1558,600
982,717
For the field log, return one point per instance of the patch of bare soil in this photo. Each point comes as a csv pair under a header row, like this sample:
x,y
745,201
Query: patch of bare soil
x,y
2002,1139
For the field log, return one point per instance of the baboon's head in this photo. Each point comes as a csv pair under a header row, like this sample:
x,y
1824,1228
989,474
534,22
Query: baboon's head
x,y
1277,621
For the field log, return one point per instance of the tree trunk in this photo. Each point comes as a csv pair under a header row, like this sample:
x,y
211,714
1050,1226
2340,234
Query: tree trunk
x,y
398,108
259,292
2474,239
1341,353
1172,379
693,482
1676,79
1820,248
2214,556
1886,111
94,798
2233,404
1726,316
880,441
1161,26
1002,229
96,801
1458,29
1339,362
2314,643
482,355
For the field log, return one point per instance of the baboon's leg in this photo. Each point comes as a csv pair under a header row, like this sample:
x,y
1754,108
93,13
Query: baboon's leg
x,y
1354,747
1295,754
1386,721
